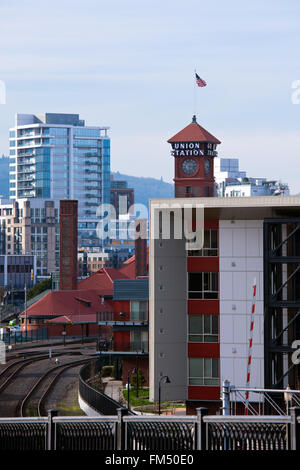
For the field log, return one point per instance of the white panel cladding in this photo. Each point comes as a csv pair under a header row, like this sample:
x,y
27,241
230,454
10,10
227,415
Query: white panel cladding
x,y
241,260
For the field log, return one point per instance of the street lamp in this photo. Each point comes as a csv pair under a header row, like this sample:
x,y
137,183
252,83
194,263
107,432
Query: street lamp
x,y
132,371
164,379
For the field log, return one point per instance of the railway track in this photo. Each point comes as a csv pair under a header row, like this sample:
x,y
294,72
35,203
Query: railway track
x,y
24,354
34,401
16,400
8,374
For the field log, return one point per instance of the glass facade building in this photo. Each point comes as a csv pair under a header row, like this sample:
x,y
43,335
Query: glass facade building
x,y
55,156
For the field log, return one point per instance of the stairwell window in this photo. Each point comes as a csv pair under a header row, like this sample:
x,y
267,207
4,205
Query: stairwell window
x,y
204,371
203,286
203,328
138,310
210,244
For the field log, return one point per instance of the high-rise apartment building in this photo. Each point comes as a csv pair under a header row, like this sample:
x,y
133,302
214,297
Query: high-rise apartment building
x,y
55,156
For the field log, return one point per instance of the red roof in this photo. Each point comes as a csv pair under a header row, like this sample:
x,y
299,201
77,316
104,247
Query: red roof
x,y
102,281
68,302
92,318
194,133
128,267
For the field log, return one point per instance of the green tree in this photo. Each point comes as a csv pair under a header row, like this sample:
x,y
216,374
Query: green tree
x,y
141,380
39,288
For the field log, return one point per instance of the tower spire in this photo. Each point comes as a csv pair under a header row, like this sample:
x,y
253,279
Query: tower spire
x,y
194,120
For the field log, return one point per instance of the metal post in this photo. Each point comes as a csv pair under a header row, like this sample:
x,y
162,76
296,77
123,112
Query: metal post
x,y
120,443
201,441
159,397
294,443
137,375
128,392
25,309
225,398
50,444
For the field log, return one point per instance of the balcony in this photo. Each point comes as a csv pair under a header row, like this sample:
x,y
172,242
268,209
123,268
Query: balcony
x,y
107,319
131,347
25,178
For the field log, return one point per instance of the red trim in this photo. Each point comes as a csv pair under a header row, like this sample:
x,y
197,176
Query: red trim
x,y
204,264
208,224
204,350
209,307
199,392
211,224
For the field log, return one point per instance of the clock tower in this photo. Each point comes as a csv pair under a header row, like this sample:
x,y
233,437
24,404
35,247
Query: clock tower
x,y
194,149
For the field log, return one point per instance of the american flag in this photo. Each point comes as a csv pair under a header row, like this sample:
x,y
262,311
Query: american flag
x,y
199,81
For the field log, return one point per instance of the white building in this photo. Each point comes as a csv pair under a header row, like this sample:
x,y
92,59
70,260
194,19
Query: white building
x,y
231,182
200,301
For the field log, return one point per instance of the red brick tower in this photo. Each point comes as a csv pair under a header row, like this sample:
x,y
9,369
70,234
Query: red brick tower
x,y
68,221
194,149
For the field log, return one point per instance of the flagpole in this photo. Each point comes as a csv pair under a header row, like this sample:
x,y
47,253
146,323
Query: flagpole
x,y
195,95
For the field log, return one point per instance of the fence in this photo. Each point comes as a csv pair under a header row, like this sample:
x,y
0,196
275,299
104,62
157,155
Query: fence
x,y
157,433
96,399
22,337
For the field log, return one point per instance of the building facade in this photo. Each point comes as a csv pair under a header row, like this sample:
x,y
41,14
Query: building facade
x,y
55,156
231,182
121,197
31,227
200,301
17,271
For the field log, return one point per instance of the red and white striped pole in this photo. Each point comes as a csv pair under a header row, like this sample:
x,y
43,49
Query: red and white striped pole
x,y
250,346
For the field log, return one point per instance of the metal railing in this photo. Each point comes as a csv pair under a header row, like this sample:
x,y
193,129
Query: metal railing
x,y
16,337
96,399
247,433
155,433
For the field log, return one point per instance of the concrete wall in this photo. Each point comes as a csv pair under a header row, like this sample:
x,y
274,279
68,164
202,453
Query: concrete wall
x,y
168,318
241,260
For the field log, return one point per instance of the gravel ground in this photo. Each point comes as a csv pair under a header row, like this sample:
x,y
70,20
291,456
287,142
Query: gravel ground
x,y
63,397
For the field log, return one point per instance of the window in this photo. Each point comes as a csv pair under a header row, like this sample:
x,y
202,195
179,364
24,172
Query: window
x,y
139,341
203,285
210,244
138,310
203,328
203,371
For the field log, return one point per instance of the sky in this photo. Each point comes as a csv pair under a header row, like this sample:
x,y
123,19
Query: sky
x,y
129,65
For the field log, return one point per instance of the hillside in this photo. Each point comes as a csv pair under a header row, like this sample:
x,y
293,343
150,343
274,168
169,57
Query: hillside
x,y
146,188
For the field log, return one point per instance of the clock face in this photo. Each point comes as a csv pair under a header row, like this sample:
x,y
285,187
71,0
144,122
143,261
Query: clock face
x,y
207,166
189,166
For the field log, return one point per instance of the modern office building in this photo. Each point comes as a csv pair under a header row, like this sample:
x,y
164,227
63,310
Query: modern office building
x,y
121,197
255,187
231,182
17,271
55,156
